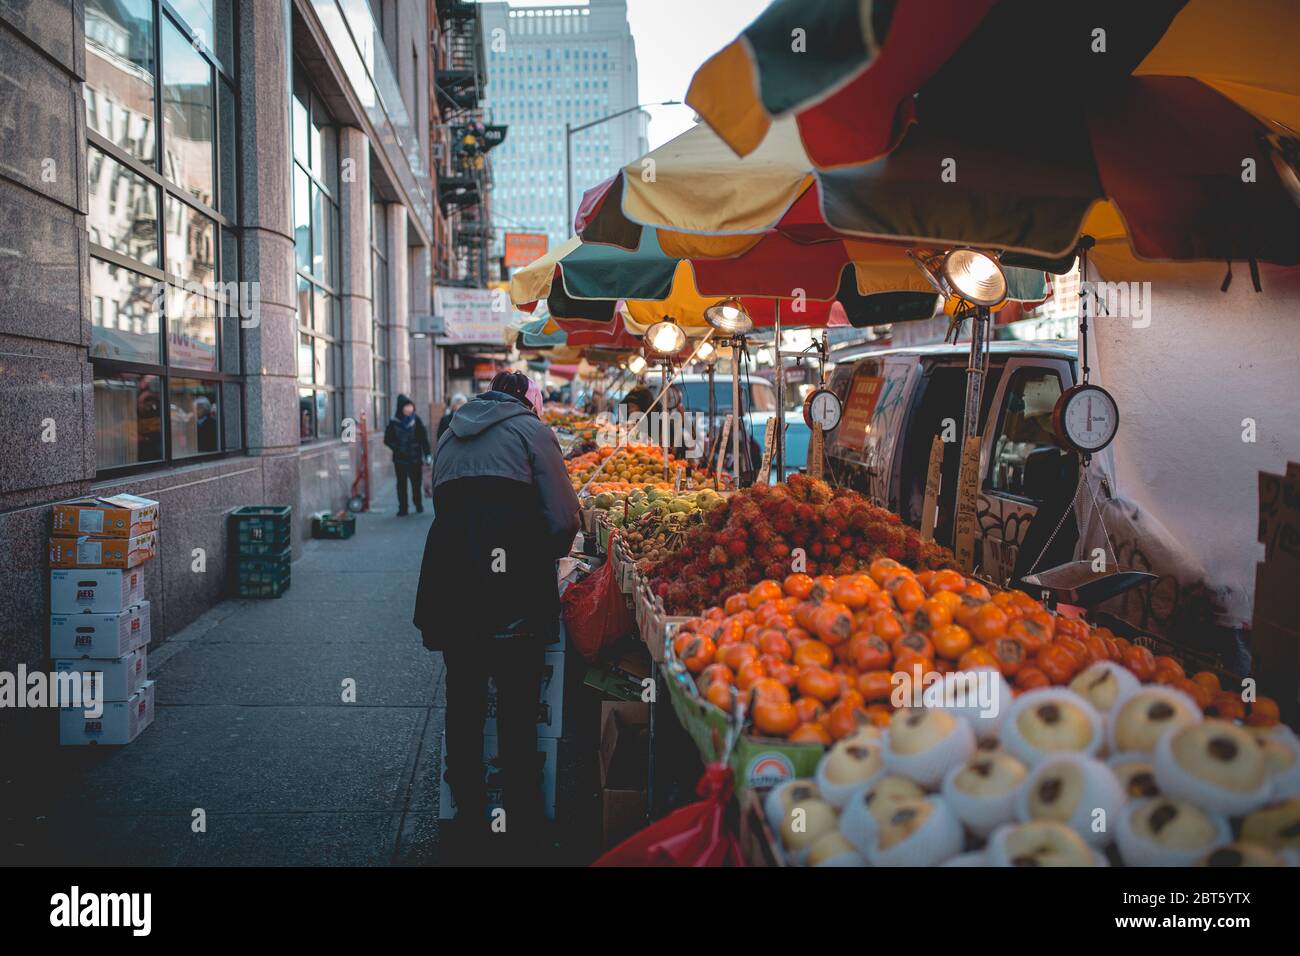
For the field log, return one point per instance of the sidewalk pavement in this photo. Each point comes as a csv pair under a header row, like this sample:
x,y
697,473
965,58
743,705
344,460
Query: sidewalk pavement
x,y
251,728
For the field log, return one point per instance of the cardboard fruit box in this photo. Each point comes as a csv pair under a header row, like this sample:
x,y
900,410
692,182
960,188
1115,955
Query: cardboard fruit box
x,y
758,762
115,516
94,552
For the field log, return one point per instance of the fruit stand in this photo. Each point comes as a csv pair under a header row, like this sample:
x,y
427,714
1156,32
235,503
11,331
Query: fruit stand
x,y
827,691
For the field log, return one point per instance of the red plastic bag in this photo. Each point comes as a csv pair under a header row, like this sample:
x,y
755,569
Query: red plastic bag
x,y
595,611
699,834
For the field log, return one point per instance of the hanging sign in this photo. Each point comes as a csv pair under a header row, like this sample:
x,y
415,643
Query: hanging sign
x,y
524,248
769,448
816,451
967,492
933,480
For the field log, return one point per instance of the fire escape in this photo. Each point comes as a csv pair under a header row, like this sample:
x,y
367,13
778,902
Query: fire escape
x,y
464,177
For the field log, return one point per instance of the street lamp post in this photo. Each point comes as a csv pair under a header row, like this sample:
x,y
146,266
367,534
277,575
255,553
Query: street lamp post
x,y
570,129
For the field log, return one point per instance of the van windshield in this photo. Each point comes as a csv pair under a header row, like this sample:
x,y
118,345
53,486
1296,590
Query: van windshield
x,y
761,397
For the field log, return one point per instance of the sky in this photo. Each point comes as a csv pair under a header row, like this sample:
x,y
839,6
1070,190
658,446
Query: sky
x,y
673,37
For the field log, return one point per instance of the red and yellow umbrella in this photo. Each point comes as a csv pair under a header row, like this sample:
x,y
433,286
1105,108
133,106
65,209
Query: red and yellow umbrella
x,y
854,73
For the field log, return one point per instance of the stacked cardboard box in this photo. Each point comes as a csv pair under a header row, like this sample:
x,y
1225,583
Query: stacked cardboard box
x,y
624,768
550,723
1275,636
99,618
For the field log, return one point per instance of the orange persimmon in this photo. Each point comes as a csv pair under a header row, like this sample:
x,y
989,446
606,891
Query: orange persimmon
x,y
813,653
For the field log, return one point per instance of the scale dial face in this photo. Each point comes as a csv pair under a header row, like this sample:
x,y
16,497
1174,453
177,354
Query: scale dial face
x,y
822,407
1086,418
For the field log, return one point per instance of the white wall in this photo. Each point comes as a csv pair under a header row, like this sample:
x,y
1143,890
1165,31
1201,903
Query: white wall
x,y
1207,361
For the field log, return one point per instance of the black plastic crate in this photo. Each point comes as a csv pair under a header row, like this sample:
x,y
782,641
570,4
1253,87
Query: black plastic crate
x,y
261,576
260,530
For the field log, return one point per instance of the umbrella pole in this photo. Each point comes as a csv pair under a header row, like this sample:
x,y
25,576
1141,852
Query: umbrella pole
x,y
975,370
713,409
737,346
780,397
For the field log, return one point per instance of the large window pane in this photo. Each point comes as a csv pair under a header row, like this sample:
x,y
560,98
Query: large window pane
x,y
190,244
187,116
321,235
324,414
124,310
192,330
123,214
321,312
306,414
195,419
120,74
304,358
197,15
302,218
128,419
298,106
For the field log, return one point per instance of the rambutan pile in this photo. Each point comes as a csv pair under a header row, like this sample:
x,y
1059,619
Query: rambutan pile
x,y
763,531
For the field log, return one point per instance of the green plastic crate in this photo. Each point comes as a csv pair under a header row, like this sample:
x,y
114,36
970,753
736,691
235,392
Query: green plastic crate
x,y
340,526
261,576
260,530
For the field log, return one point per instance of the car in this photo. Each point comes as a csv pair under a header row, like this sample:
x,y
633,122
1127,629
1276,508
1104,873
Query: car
x,y
895,401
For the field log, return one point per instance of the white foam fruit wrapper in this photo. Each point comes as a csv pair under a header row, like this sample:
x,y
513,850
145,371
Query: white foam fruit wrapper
x,y
1173,780
1101,792
940,838
928,767
1135,850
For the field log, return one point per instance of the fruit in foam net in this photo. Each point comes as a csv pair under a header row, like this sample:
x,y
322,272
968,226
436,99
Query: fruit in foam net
x,y
817,668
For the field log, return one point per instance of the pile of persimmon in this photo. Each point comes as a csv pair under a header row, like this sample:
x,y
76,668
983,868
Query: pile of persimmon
x,y
813,658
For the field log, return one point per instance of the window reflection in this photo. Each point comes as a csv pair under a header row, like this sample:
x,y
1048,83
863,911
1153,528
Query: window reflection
x,y
124,314
123,213
187,116
190,242
120,74
128,419
191,330
195,424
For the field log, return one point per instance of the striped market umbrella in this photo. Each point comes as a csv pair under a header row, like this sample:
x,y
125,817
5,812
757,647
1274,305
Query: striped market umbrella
x,y
854,73
866,283
1175,153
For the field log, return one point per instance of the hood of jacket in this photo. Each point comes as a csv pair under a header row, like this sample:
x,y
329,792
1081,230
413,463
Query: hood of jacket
x,y
401,401
483,411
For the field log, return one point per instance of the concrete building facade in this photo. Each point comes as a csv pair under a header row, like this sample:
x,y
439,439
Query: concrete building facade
x,y
548,66
217,218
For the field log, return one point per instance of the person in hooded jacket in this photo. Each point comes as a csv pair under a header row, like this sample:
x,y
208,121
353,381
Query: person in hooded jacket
x,y
409,441
504,512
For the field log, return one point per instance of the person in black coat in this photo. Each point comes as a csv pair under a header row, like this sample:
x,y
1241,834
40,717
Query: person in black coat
x,y
504,512
409,441
444,423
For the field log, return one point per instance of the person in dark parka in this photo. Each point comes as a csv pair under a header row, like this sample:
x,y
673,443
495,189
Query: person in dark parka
x,y
504,512
409,441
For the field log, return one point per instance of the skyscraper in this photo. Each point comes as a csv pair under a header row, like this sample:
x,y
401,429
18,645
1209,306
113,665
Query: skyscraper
x,y
548,66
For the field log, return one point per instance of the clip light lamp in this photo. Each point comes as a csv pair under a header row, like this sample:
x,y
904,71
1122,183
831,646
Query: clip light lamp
x,y
730,317
665,338
967,274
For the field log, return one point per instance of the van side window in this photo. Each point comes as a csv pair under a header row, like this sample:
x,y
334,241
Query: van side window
x,y
1025,427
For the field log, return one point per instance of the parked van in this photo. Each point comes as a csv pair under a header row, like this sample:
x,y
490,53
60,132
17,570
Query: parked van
x,y
897,400
757,407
